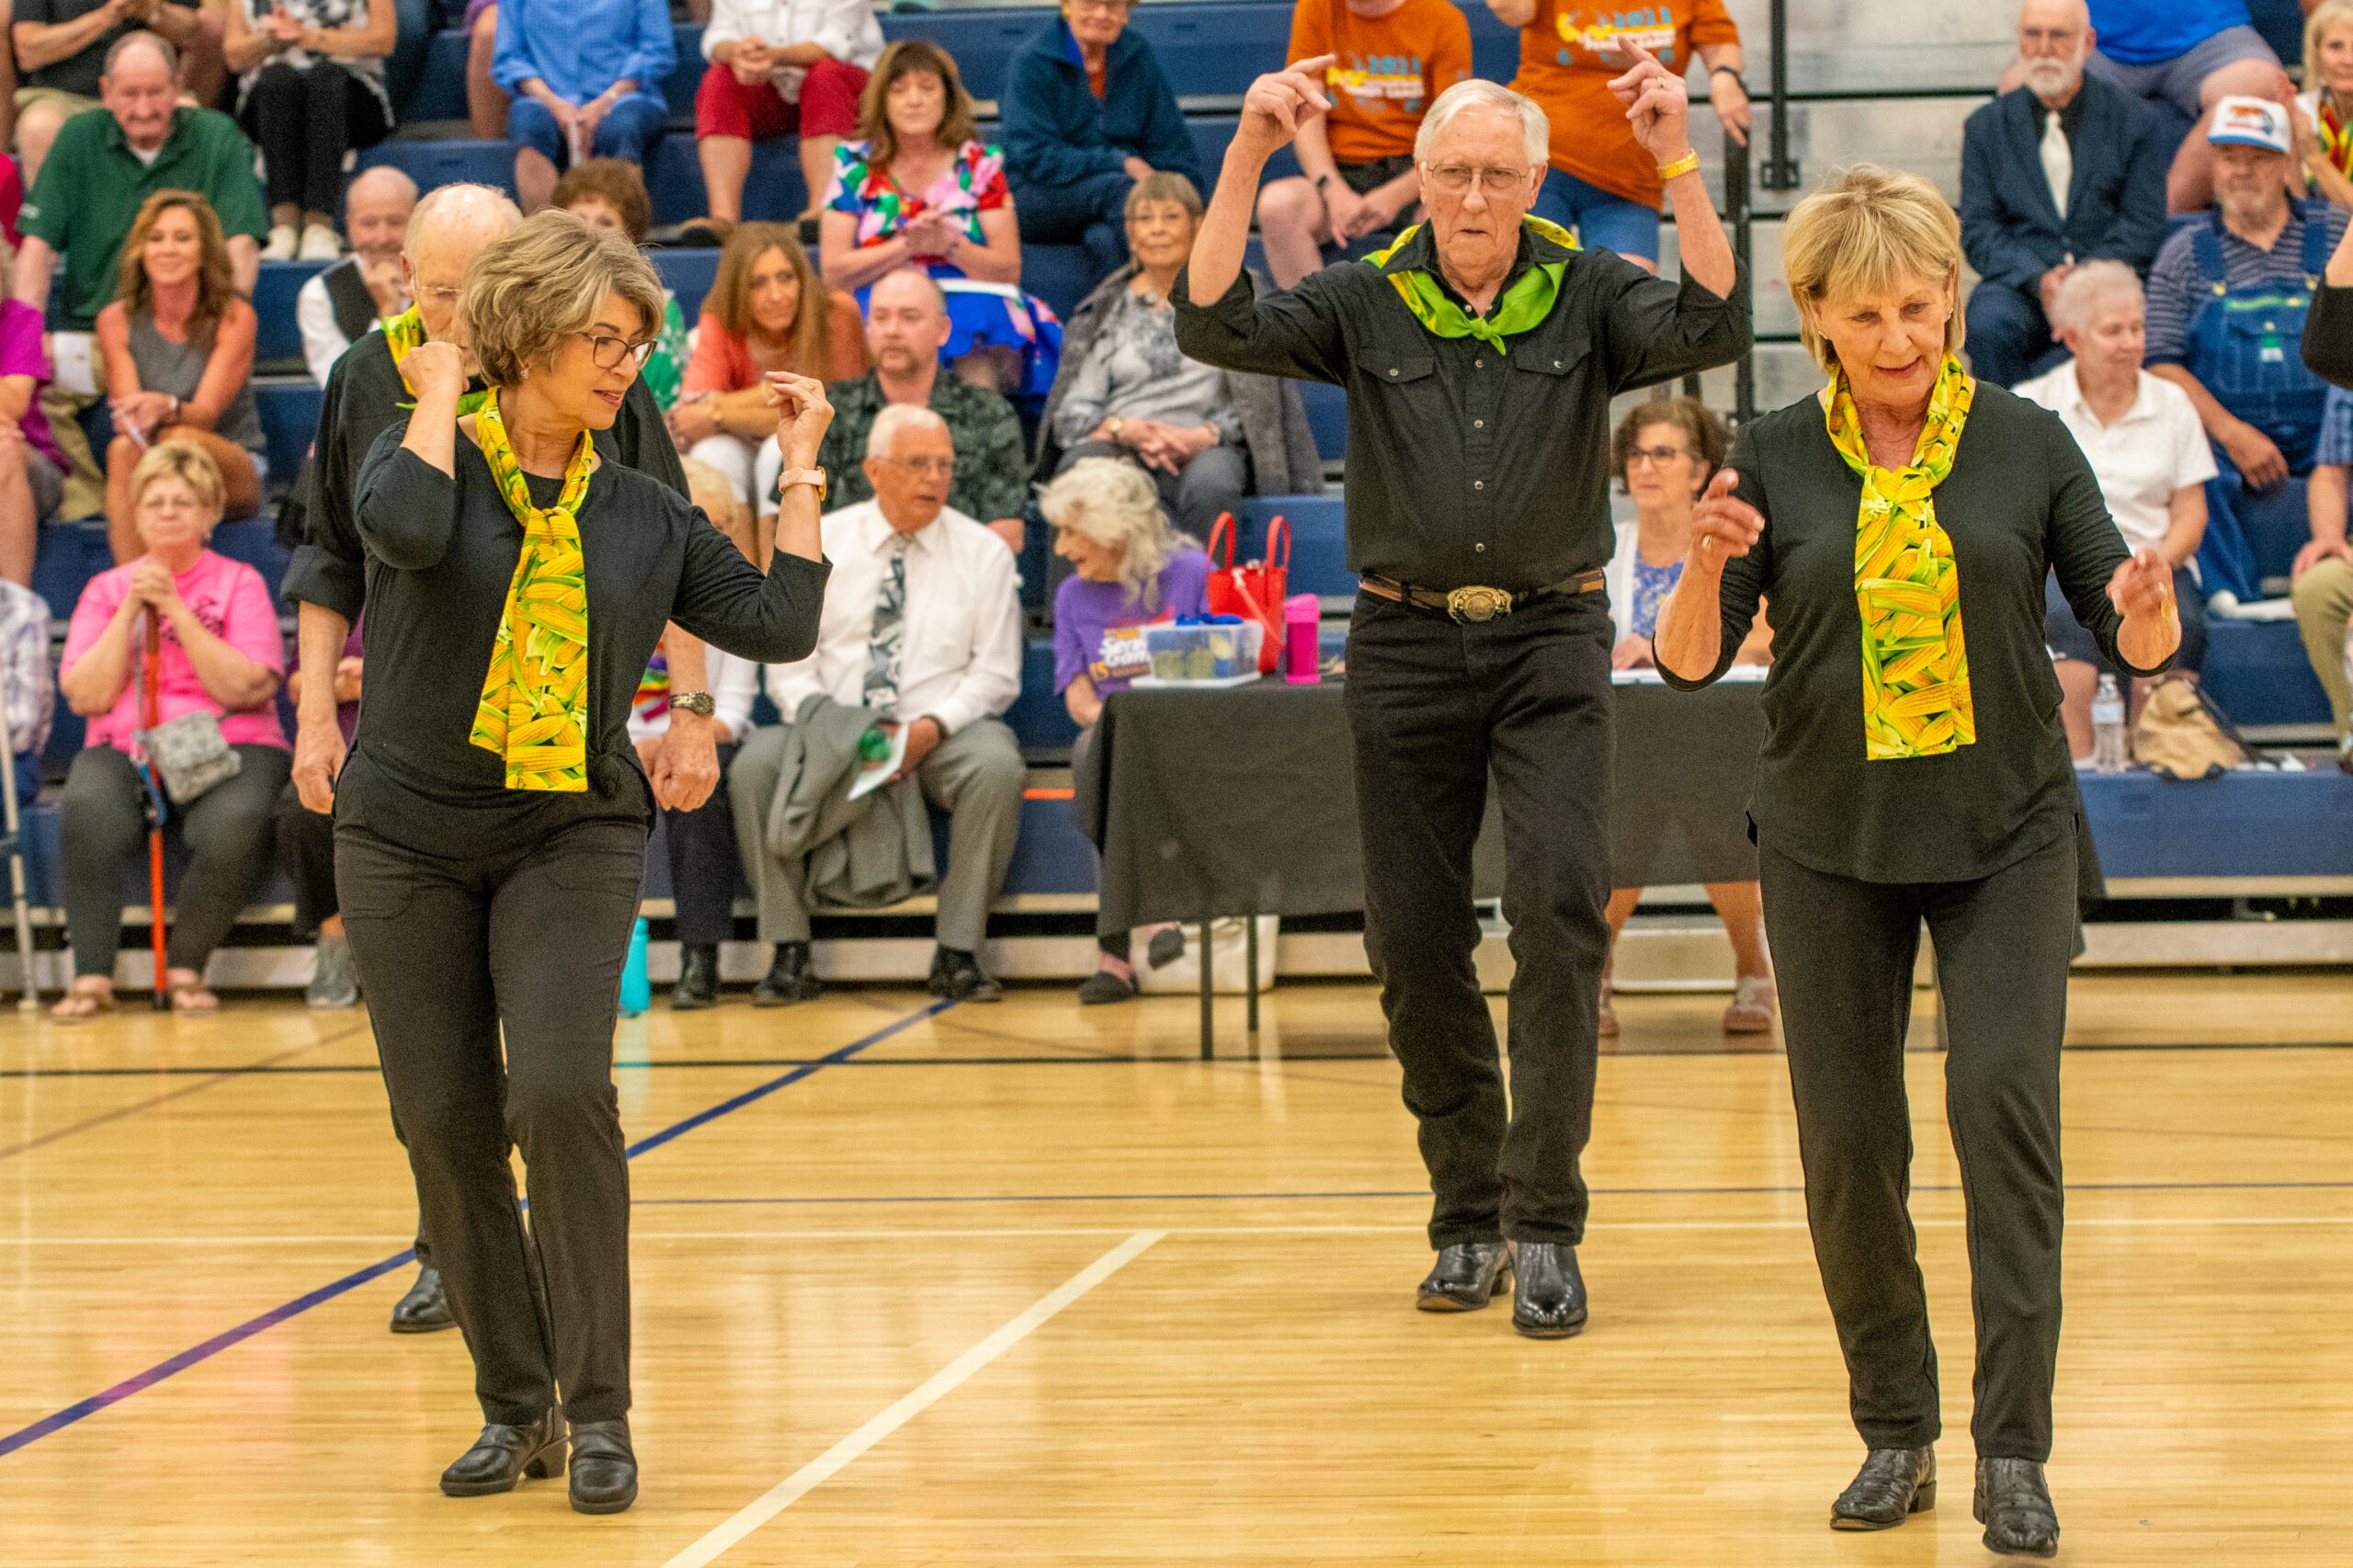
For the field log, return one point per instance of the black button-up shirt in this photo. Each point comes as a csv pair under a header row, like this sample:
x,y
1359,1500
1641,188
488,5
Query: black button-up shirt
x,y
1468,465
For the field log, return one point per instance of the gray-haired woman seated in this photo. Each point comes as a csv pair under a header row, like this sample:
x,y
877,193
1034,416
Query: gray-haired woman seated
x,y
491,818
1206,437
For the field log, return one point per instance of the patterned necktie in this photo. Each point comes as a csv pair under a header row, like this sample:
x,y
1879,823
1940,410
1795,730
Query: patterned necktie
x,y
2058,161
883,642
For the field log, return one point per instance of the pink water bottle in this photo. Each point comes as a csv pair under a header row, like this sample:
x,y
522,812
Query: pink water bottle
x,y
1301,646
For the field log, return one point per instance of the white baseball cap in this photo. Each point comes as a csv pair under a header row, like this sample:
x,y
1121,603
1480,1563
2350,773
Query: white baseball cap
x,y
2248,121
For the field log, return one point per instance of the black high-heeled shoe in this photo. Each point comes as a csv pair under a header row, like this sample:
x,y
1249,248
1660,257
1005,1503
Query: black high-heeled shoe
x,y
503,1456
2014,1505
1892,1485
604,1467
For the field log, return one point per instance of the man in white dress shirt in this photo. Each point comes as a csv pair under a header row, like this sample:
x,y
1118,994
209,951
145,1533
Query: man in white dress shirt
x,y
921,620
343,302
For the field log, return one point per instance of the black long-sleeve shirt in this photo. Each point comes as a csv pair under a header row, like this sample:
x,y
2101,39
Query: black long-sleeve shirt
x,y
2020,500
1467,465
2328,335
441,552
365,396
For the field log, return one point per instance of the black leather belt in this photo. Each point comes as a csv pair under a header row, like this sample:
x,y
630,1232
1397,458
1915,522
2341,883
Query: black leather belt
x,y
1472,603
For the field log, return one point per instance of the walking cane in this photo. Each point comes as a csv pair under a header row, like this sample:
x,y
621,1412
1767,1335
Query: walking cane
x,y
30,1001
150,715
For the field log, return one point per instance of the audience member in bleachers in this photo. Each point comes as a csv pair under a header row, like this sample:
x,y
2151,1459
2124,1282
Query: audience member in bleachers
x,y
1665,450
767,311
1357,181
222,655
28,703
486,101
1128,570
2182,54
2322,576
32,471
306,848
2065,169
585,77
906,327
608,193
61,49
779,68
177,346
1604,185
2227,305
919,188
2151,459
1127,391
344,303
921,623
309,92
1087,112
2325,109
2189,183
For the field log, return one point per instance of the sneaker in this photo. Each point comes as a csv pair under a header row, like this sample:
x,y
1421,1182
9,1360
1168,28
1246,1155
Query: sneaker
x,y
282,241
1753,1005
319,244
334,983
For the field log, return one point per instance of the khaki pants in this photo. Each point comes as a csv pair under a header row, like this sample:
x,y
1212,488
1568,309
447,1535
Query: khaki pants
x,y
2324,601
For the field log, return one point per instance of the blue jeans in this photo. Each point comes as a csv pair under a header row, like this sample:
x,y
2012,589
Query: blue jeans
x,y
2010,339
633,125
1091,213
1602,221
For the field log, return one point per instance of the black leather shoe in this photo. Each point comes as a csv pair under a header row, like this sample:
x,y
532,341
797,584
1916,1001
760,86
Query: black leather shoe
x,y
1468,1275
2014,1505
959,977
604,1467
787,980
503,1455
1892,1485
425,1308
1549,1302
698,984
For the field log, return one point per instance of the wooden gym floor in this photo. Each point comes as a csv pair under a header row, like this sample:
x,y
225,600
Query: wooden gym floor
x,y
1025,1284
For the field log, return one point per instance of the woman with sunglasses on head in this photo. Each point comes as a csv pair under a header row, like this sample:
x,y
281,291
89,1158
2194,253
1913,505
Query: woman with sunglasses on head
x,y
491,819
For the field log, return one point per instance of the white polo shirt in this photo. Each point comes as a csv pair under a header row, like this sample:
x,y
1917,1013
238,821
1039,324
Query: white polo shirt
x,y
2156,448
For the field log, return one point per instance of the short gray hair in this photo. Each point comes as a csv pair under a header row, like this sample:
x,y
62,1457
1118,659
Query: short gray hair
x,y
142,40
1535,130
1116,504
529,293
2079,296
462,206
896,417
385,174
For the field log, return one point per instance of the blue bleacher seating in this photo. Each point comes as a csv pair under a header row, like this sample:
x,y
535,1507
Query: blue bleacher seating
x,y
774,192
2276,526
1039,721
2257,672
686,271
290,417
1319,544
276,339
2246,825
446,162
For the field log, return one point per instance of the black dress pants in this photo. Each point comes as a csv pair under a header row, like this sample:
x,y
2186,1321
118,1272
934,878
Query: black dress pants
x,y
703,865
1433,707
528,943
304,119
1844,952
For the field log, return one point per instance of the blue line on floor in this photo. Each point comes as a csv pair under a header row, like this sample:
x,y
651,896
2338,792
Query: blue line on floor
x,y
140,1381
224,1075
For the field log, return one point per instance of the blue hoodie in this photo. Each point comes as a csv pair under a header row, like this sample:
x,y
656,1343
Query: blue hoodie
x,y
1057,133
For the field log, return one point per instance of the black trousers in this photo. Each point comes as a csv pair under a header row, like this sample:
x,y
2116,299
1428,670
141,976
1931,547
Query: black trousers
x,y
1433,706
1844,952
528,943
703,865
305,119
306,851
225,830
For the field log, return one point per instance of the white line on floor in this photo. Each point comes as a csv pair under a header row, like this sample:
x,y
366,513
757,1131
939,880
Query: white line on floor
x,y
830,1463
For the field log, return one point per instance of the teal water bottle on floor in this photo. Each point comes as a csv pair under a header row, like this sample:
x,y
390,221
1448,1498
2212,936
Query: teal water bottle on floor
x,y
637,988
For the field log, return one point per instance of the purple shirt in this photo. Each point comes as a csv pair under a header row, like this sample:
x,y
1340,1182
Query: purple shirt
x,y
1084,611
20,355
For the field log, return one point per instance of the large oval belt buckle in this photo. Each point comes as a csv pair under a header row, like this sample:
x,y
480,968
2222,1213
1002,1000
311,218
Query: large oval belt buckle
x,y
1477,603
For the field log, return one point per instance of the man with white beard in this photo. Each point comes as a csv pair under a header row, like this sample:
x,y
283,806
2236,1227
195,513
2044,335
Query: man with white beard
x,y
2065,169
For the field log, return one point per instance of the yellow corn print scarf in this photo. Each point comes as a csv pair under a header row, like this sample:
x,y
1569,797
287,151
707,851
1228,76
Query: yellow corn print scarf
x,y
1915,668
534,707
403,334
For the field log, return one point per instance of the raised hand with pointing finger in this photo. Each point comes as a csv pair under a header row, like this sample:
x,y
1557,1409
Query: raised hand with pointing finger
x,y
1657,103
1278,103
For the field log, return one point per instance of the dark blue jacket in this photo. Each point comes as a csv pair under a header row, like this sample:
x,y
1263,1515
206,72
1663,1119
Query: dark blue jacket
x,y
1057,133
2116,203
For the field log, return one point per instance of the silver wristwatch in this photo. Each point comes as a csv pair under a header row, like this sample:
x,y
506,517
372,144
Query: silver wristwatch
x,y
696,702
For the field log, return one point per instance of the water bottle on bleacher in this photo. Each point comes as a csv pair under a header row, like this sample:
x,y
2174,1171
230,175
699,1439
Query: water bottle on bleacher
x,y
2111,746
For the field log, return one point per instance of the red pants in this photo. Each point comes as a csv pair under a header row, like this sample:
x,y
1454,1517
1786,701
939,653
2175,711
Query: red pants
x,y
828,106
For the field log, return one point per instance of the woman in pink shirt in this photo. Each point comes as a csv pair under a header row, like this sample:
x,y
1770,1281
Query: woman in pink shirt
x,y
222,654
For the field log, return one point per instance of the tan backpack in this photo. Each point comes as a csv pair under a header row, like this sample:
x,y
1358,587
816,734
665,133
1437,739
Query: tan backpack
x,y
2182,735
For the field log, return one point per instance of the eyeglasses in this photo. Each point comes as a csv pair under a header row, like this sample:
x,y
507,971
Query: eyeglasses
x,y
1456,178
608,352
1658,455
438,295
943,467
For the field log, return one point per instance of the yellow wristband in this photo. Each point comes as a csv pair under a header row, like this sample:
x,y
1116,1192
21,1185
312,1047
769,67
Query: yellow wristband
x,y
1682,165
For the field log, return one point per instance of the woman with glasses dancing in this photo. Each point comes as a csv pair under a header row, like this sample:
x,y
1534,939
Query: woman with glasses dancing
x,y
491,821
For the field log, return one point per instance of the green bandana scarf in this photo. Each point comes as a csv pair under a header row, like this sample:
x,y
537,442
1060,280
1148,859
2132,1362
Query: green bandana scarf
x,y
1523,305
403,334
1907,584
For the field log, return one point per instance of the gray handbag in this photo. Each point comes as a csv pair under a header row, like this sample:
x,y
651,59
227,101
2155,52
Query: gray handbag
x,y
191,755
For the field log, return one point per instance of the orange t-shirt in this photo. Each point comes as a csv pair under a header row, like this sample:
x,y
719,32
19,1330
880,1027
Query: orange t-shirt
x,y
1388,71
1567,55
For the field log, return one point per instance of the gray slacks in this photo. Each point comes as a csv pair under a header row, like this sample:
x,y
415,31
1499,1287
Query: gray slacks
x,y
975,774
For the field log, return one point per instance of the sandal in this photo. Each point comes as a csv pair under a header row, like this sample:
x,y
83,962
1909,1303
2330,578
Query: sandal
x,y
82,1003
187,992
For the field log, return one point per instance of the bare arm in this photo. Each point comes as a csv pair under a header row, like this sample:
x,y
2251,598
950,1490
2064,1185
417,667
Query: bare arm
x,y
1513,13
1273,109
45,43
15,396
93,684
230,679
320,635
1080,698
35,261
356,43
845,263
2184,524
997,257
245,263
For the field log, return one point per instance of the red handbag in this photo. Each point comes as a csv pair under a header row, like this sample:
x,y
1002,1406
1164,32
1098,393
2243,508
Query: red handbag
x,y
1254,590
